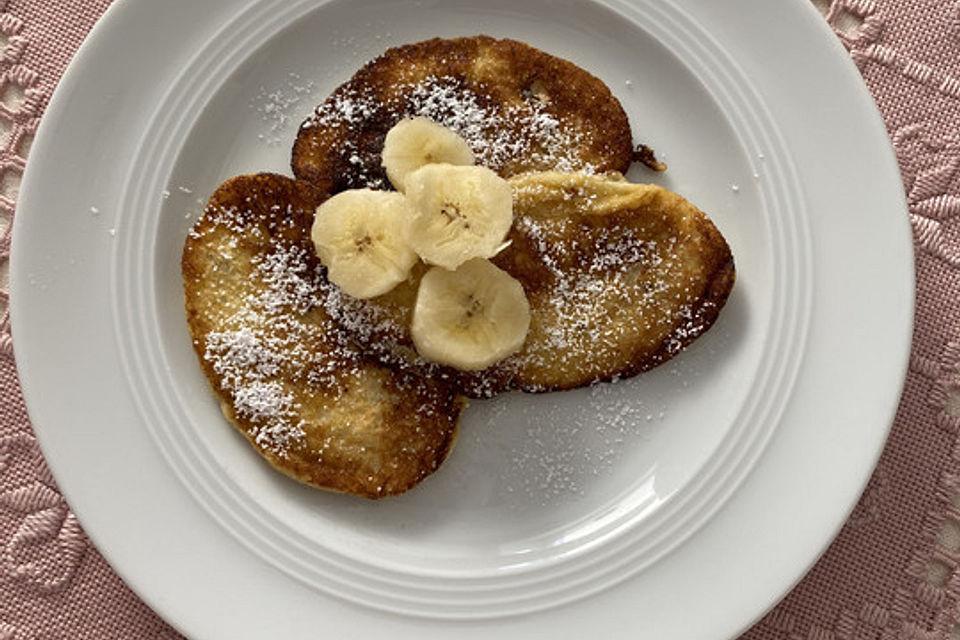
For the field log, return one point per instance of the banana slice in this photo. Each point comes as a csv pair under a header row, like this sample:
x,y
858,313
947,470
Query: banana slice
x,y
471,317
414,142
359,237
459,213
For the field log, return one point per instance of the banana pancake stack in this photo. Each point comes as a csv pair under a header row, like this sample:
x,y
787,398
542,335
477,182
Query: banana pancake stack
x,y
459,227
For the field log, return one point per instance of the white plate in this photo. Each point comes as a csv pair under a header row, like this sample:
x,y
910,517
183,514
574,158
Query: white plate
x,y
706,486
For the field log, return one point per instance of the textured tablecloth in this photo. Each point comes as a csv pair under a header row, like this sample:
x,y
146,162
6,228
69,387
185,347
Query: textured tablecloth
x,y
891,573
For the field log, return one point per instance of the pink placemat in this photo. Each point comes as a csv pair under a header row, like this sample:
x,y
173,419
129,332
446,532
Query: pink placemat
x,y
891,573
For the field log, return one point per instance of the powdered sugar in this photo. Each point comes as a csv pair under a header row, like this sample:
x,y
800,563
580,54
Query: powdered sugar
x,y
544,463
506,137
585,307
265,402
344,109
279,106
598,293
264,346
234,352
291,282
498,134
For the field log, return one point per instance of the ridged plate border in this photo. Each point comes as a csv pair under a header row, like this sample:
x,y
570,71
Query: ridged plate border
x,y
625,545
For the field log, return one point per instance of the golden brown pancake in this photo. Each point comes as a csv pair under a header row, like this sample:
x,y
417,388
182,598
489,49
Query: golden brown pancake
x,y
518,108
286,377
620,277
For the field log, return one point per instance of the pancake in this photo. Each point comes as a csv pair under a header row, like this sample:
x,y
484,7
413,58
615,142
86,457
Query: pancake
x,y
286,377
620,277
518,108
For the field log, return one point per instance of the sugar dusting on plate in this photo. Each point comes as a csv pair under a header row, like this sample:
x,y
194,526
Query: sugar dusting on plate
x,y
545,449
279,108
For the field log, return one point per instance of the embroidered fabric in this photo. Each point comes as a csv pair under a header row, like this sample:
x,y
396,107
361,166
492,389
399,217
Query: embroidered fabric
x,y
892,571
53,584
20,108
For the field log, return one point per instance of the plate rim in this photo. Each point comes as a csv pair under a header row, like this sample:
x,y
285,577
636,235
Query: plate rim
x,y
175,121
18,269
